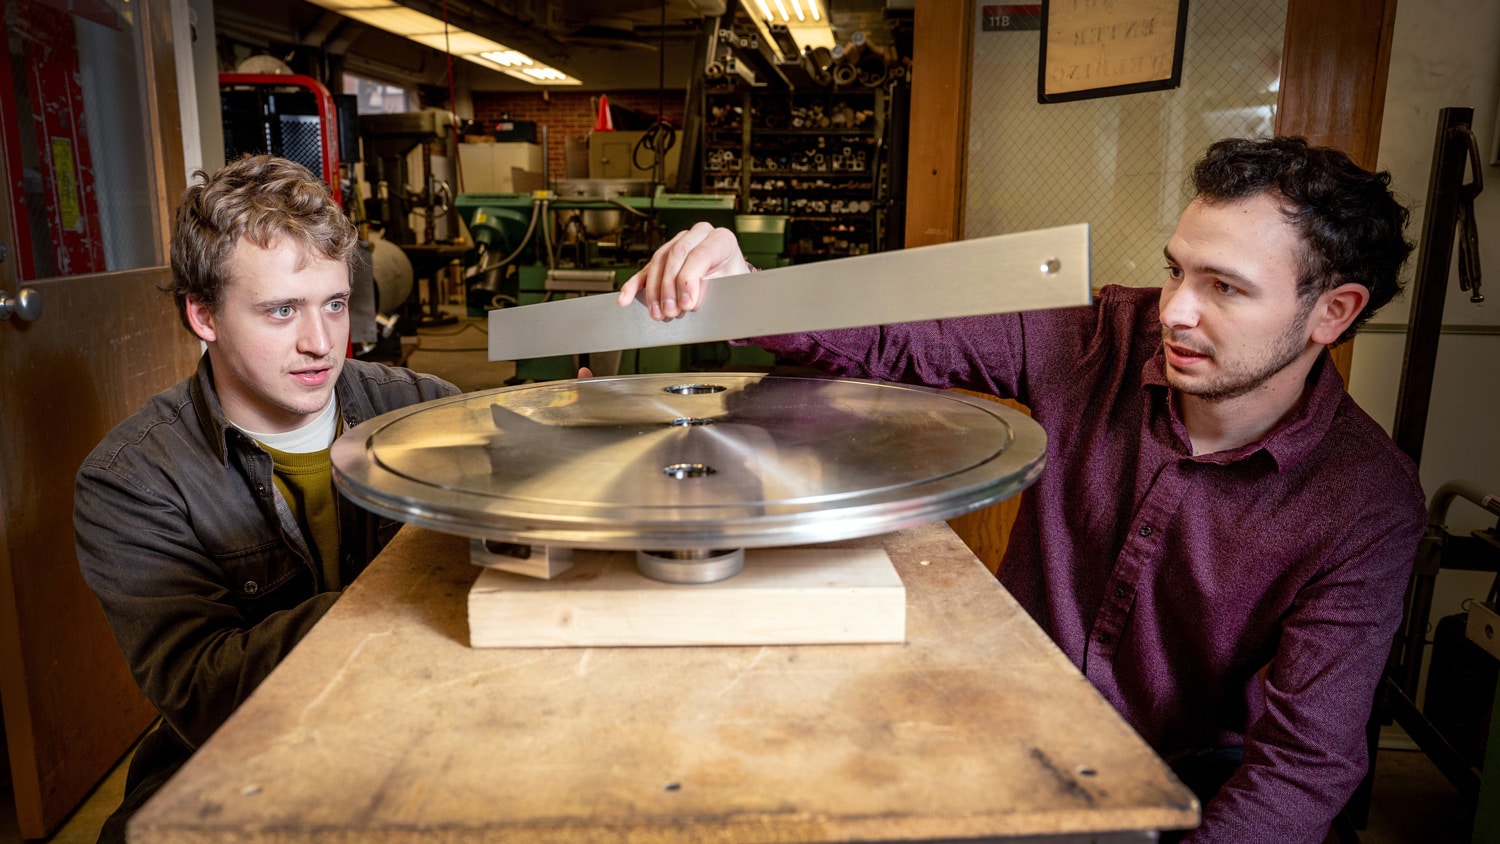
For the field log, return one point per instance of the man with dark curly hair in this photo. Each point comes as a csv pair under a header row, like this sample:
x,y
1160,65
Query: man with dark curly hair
x,y
1222,538
207,524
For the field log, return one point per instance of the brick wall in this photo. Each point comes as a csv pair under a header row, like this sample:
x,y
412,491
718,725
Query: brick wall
x,y
570,114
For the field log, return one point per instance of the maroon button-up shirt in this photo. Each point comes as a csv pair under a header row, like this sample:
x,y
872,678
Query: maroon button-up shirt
x,y
1244,598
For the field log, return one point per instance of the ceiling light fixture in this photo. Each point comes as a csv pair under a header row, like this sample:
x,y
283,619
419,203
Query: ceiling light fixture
x,y
508,58
784,16
431,32
808,28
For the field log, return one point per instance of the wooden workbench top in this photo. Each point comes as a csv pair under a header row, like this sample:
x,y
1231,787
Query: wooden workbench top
x,y
384,725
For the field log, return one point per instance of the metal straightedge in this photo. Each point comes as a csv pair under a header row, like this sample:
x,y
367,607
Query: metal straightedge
x,y
1048,268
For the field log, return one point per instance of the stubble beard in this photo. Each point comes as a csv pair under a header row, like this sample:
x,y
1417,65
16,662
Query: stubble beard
x,y
1289,346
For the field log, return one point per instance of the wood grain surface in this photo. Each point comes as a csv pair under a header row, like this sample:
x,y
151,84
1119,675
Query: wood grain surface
x,y
783,596
384,725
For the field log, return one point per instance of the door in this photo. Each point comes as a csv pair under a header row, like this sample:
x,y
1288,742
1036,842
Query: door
x,y
86,176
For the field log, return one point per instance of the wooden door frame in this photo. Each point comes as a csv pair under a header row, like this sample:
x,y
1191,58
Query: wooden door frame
x,y
1334,65
57,752
1335,59
938,134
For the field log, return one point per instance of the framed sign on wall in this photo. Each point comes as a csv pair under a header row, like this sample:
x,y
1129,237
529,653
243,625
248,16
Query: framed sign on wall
x,y
1102,48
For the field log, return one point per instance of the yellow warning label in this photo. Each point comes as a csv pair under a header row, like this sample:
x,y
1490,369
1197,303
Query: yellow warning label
x,y
67,186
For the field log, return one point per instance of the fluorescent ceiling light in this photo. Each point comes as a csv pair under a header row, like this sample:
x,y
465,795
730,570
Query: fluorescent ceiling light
x,y
785,13
431,32
458,43
508,58
803,19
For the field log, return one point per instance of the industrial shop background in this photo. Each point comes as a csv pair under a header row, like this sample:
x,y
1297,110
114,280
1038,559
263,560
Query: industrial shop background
x,y
805,159
817,150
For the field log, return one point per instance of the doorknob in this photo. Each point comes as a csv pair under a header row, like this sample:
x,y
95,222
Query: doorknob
x,y
27,304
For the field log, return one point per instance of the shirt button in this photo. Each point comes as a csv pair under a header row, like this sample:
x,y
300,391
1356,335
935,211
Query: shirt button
x,y
1121,591
1105,638
251,587
1146,530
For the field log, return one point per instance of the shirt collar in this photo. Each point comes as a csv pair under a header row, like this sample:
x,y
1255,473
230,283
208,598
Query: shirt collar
x,y
210,412
1286,444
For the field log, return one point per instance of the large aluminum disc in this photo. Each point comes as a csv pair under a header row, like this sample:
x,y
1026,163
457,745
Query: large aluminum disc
x,y
688,461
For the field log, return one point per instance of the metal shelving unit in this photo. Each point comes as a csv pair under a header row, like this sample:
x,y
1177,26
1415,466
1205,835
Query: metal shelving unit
x,y
814,156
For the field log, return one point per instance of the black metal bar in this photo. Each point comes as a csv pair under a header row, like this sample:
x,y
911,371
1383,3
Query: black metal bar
x,y
689,167
1419,609
1393,700
1475,552
897,130
1434,745
1430,286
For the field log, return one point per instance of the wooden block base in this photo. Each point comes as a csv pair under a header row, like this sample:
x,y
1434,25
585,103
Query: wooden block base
x,y
784,596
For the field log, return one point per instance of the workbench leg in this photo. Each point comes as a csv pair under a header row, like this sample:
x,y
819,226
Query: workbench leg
x,y
1487,813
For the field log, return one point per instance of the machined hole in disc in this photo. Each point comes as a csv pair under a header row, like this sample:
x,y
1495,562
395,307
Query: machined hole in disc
x,y
694,389
691,421
683,471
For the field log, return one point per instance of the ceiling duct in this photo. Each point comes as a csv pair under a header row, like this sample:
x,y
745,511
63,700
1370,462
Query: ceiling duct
x,y
609,33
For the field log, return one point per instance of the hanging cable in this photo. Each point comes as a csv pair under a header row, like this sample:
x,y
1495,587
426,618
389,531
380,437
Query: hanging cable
x,y
662,135
458,170
657,140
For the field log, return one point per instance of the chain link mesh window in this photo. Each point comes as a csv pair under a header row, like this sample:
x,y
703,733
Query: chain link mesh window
x,y
1118,163
302,140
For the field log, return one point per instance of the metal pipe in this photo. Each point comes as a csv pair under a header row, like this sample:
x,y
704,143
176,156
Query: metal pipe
x,y
1437,510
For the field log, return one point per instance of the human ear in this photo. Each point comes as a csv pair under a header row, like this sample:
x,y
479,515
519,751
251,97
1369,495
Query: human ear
x,y
1336,311
201,320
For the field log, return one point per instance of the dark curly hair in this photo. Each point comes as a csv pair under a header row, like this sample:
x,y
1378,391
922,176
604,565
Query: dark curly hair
x,y
262,199
1352,225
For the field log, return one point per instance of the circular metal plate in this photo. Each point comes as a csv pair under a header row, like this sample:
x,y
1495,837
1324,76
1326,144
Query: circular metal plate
x,y
689,461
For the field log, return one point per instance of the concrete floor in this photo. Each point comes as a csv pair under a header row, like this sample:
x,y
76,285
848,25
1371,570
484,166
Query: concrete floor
x,y
82,827
460,354
1413,803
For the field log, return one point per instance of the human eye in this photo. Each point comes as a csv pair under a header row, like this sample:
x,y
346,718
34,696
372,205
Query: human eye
x,y
338,306
1224,288
1174,273
282,311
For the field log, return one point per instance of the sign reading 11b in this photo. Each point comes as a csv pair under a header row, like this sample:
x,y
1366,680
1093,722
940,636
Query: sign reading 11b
x,y
1012,17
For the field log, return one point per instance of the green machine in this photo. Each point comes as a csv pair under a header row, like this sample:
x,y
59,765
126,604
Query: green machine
x,y
530,248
